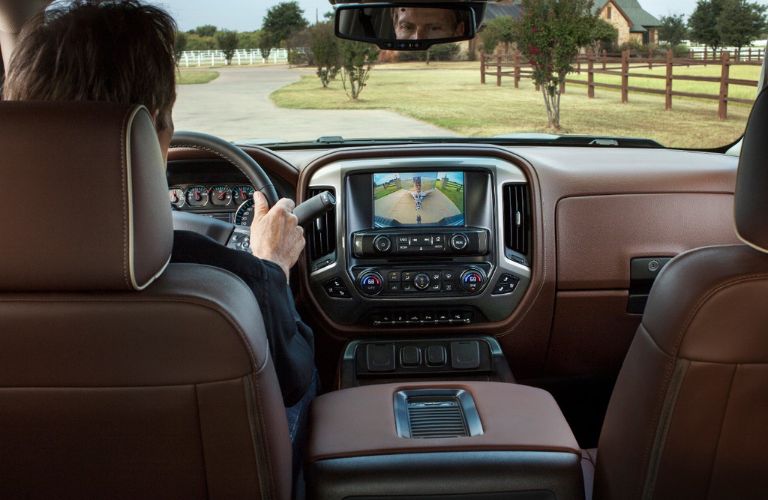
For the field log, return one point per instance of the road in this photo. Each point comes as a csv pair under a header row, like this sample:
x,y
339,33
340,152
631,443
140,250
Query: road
x,y
236,107
401,206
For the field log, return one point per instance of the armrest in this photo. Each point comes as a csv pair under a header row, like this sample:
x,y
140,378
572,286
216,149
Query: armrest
x,y
361,422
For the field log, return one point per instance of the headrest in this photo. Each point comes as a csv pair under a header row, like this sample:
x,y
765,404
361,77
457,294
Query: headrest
x,y
83,198
752,179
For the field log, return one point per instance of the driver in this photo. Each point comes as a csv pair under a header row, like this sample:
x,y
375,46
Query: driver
x,y
419,23
122,51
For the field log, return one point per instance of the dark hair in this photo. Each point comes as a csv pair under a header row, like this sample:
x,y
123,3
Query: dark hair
x,y
118,51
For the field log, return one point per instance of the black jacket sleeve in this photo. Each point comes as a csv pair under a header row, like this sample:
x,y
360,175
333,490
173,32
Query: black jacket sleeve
x,y
290,339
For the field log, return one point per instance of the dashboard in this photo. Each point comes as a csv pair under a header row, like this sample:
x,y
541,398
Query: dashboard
x,y
226,202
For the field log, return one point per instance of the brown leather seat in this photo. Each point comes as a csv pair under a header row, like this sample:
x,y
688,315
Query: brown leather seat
x,y
688,417
121,376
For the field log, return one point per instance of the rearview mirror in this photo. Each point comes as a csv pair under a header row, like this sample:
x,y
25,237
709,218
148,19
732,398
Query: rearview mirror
x,y
407,26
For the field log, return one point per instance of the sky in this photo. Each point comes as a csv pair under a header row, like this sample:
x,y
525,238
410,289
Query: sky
x,y
246,15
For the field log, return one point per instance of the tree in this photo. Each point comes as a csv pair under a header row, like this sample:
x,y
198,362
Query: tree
x,y
356,64
227,41
197,42
604,34
180,44
741,22
673,29
266,43
205,31
325,50
248,39
703,23
496,31
550,34
283,20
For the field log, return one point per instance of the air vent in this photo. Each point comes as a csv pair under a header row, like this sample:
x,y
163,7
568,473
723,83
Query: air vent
x,y
518,222
321,236
436,413
436,418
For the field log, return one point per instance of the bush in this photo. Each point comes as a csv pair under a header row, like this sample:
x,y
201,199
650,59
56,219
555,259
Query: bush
x,y
636,49
325,51
681,50
227,42
297,57
357,60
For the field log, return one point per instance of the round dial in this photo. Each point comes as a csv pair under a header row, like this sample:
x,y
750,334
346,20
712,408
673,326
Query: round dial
x,y
197,196
177,197
244,213
242,193
221,196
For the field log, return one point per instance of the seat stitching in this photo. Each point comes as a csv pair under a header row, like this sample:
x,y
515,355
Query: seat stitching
x,y
123,133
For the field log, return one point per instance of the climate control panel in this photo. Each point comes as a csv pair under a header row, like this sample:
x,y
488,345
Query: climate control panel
x,y
464,242
425,281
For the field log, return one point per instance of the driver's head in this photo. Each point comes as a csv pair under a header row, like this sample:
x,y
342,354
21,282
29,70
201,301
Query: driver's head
x,y
420,23
117,51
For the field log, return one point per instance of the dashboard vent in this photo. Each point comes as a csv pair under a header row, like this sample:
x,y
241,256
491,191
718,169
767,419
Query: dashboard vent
x,y
518,222
321,236
436,418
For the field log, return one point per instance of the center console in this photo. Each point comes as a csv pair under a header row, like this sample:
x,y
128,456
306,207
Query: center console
x,y
420,242
463,440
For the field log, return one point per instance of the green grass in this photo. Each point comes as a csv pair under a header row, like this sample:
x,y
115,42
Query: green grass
x,y
381,191
196,77
456,196
453,98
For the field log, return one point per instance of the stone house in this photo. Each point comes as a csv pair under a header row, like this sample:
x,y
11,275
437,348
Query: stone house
x,y
632,21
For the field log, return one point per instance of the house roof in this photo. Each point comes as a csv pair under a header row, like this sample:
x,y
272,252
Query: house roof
x,y
632,9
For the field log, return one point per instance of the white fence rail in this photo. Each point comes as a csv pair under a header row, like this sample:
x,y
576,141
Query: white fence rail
x,y
207,58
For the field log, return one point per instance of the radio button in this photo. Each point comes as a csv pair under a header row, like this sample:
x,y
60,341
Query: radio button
x,y
421,281
403,240
438,239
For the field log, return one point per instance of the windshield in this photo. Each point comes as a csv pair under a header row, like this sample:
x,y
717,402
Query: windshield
x,y
270,72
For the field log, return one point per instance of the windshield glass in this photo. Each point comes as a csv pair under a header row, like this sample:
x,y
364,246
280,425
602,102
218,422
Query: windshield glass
x,y
270,72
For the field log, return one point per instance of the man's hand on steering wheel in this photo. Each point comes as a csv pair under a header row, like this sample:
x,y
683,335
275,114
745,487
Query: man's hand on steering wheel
x,y
275,233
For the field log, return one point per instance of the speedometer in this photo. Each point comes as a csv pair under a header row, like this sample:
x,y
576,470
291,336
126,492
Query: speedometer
x,y
197,196
244,214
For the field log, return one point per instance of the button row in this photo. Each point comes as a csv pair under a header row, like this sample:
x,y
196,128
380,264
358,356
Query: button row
x,y
423,318
505,284
337,289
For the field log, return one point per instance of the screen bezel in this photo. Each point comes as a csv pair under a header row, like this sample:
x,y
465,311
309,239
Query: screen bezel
x,y
434,225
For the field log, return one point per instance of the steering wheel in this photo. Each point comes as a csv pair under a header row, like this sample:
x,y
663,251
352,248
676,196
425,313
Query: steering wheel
x,y
225,233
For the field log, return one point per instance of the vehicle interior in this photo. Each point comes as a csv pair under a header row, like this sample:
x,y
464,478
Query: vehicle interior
x,y
586,321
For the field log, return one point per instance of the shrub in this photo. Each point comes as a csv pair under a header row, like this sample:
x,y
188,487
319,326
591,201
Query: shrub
x,y
227,42
357,60
325,50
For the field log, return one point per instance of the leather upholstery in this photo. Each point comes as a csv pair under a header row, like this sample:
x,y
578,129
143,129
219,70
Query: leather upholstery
x,y
687,416
752,178
78,177
105,391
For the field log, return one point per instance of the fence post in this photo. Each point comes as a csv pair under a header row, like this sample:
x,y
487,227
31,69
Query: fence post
x,y
650,58
517,69
578,65
705,56
668,86
498,70
722,111
605,57
624,76
482,69
591,75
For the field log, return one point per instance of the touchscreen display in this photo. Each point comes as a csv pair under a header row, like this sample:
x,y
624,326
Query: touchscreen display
x,y
418,198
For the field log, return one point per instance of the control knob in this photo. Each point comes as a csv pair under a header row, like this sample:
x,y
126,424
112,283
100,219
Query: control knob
x,y
421,281
371,283
459,241
472,280
382,244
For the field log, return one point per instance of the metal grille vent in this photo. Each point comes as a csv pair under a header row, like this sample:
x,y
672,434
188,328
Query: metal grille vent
x,y
517,222
321,237
436,419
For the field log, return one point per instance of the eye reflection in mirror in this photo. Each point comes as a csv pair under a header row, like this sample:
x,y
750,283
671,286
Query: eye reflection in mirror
x,y
415,23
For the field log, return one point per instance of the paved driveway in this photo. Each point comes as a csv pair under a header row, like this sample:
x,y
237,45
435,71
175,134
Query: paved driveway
x,y
236,106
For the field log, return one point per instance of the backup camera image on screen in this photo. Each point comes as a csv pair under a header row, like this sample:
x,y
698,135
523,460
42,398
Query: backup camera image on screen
x,y
418,198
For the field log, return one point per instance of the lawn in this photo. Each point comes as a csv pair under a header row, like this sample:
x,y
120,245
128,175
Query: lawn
x,y
382,191
456,196
196,77
451,96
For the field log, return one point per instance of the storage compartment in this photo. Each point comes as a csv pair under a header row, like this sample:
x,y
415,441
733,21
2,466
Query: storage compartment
x,y
478,440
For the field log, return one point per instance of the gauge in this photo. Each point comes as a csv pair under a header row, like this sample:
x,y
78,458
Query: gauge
x,y
197,196
244,214
221,196
242,193
177,197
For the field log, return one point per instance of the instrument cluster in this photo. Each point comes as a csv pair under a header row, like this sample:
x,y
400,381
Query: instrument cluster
x,y
203,196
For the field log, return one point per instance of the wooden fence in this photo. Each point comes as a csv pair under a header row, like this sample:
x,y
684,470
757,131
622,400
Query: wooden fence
x,y
623,66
